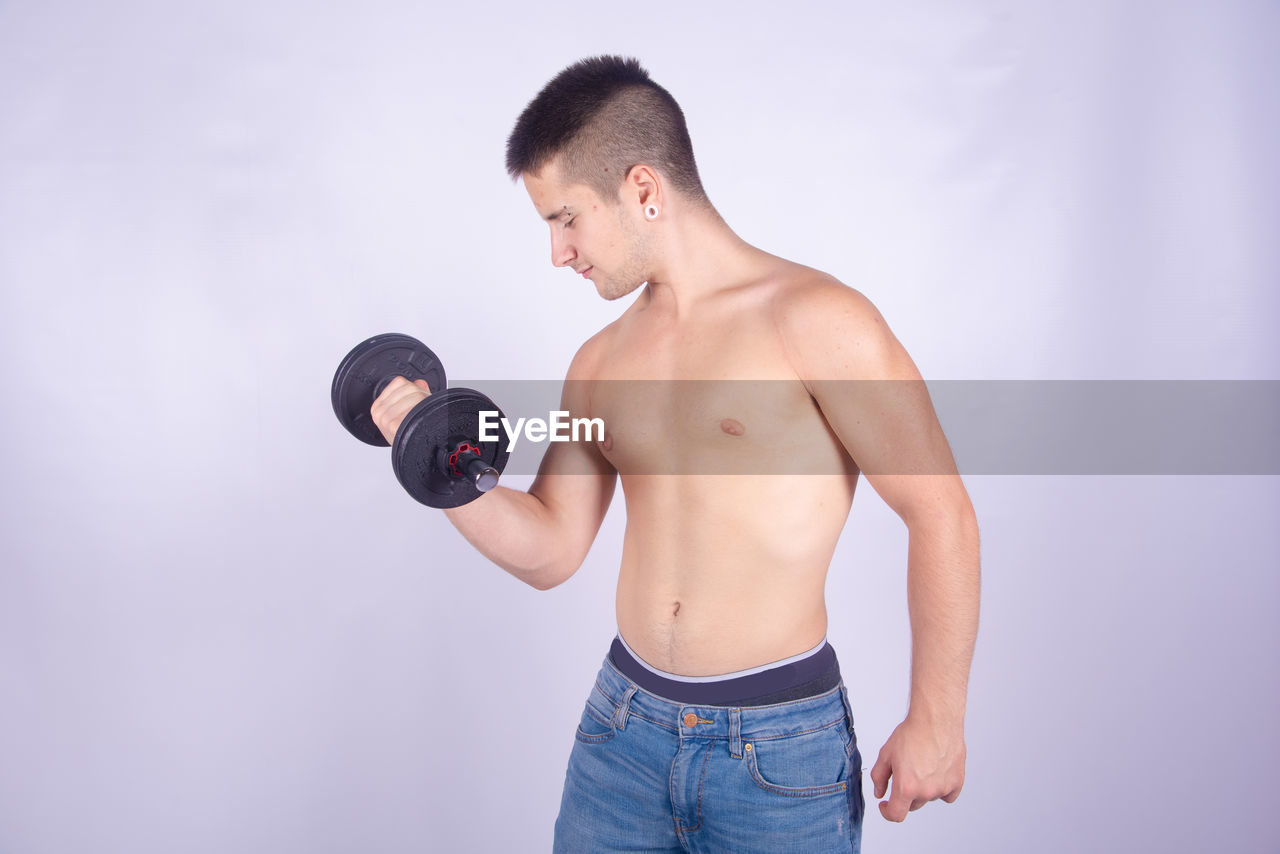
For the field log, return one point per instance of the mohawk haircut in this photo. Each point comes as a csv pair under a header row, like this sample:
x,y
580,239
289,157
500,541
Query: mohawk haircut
x,y
603,116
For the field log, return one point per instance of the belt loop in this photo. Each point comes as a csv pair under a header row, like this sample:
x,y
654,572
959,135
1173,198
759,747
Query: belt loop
x,y
735,733
624,708
844,697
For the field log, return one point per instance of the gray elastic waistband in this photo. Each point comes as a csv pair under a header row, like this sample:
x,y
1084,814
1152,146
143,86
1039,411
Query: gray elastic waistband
x,y
808,674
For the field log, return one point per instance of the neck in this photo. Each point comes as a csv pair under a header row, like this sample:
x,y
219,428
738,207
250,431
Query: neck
x,y
697,257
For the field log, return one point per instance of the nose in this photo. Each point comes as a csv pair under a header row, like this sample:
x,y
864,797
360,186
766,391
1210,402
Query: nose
x,y
562,251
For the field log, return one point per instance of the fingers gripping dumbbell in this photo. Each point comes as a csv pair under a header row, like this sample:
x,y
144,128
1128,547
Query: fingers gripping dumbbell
x,y
437,454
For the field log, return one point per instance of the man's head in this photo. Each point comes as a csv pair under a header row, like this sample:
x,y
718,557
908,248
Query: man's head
x,y
600,117
599,146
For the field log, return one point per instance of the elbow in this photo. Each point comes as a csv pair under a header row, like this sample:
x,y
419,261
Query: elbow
x,y
553,574
539,583
956,519
542,577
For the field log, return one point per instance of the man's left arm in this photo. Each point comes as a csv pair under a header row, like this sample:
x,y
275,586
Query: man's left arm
x,y
873,397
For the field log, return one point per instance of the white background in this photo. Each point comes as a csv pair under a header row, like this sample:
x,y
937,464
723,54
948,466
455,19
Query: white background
x,y
223,625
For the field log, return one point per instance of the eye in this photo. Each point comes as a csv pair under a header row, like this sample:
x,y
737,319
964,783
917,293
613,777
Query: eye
x,y
568,223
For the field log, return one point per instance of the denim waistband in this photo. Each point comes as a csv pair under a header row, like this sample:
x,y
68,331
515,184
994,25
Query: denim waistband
x,y
795,678
706,720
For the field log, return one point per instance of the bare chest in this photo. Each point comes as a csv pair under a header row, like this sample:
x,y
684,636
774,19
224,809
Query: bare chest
x,y
717,398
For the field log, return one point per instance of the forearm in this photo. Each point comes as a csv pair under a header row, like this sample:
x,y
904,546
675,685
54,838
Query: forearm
x,y
515,530
942,598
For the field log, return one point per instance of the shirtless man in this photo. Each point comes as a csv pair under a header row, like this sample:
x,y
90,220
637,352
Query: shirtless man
x,y
719,720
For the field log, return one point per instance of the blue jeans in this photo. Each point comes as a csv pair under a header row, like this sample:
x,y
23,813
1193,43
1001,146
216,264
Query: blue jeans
x,y
651,774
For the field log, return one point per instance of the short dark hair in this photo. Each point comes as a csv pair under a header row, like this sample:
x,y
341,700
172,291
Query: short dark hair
x,y
605,115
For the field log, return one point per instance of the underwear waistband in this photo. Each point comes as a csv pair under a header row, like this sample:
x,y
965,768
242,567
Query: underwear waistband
x,y
796,678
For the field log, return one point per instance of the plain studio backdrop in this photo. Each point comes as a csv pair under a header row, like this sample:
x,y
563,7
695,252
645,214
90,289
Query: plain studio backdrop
x,y
225,628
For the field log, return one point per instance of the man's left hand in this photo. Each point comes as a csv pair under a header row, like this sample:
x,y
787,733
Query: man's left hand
x,y
926,762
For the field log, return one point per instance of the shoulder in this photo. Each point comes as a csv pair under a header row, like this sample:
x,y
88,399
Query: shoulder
x,y
808,301
586,361
830,329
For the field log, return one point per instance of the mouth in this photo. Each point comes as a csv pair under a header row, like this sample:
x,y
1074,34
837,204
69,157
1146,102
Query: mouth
x,y
586,274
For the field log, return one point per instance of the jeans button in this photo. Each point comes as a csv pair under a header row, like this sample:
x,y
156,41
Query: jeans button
x,y
690,719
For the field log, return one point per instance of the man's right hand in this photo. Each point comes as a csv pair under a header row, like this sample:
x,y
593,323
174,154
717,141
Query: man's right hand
x,y
390,407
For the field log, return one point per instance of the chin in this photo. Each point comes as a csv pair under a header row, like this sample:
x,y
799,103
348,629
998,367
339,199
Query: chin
x,y
612,293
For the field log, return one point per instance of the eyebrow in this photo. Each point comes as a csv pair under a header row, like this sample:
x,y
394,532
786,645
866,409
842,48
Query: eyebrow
x,y
564,211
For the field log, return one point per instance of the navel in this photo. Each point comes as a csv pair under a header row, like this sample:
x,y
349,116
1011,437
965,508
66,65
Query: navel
x,y
676,611
733,428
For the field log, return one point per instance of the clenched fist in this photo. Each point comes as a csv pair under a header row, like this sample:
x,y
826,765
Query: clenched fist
x,y
390,407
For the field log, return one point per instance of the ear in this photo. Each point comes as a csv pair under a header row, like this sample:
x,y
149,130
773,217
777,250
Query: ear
x,y
642,186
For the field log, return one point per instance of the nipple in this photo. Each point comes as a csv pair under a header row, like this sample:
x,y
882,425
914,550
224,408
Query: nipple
x,y
608,441
733,428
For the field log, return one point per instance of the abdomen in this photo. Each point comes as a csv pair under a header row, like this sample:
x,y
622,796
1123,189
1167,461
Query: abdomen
x,y
745,557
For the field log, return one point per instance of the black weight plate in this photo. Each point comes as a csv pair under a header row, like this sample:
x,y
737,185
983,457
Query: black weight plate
x,y
440,422
361,375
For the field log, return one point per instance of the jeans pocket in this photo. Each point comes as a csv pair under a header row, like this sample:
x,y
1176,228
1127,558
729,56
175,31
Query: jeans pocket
x,y
800,766
596,724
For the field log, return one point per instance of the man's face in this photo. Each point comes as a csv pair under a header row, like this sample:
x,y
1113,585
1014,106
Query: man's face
x,y
589,234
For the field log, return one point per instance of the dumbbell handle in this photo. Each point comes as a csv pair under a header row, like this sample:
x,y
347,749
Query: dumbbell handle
x,y
381,385
483,475
465,462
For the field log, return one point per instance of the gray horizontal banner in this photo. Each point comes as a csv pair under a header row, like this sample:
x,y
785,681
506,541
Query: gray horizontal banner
x,y
783,427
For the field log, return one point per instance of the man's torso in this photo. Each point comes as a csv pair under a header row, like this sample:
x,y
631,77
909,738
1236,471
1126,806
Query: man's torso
x,y
724,564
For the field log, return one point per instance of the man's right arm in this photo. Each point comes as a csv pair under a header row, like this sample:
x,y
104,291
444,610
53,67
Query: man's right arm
x,y
543,535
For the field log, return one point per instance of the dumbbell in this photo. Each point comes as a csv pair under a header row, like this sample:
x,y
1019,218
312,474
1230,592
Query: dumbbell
x,y
437,454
